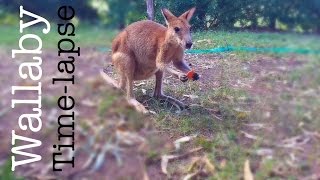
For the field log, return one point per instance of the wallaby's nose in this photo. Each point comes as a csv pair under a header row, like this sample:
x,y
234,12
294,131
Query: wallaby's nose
x,y
189,45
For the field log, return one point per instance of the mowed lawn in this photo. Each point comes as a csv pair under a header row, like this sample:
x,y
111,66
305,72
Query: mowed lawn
x,y
93,36
86,36
261,108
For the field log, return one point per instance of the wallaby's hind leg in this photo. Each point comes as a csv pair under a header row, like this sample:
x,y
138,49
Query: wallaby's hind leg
x,y
130,85
123,82
158,93
125,67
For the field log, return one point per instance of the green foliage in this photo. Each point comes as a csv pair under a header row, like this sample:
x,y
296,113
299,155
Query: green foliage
x,y
122,12
48,9
293,15
8,18
209,39
107,102
86,36
301,16
6,173
100,37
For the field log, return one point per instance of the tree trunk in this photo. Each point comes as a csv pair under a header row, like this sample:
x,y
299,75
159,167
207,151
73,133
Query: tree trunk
x,y
272,24
254,25
150,9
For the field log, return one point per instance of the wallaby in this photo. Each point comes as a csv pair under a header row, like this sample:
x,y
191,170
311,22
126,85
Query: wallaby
x,y
145,48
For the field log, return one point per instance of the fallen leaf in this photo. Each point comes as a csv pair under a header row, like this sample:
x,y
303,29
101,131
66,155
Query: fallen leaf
x,y
249,136
164,162
177,143
264,152
88,103
165,158
140,84
193,164
129,138
295,142
153,112
256,126
144,92
200,165
242,115
208,41
190,176
223,163
209,166
247,171
192,97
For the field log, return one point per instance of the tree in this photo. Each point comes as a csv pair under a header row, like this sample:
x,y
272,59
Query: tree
x,y
150,9
123,12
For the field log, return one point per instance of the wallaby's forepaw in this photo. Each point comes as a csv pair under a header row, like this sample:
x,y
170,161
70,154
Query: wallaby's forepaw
x,y
183,78
193,75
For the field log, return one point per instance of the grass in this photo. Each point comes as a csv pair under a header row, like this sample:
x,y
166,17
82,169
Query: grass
x,y
250,39
238,106
85,36
95,36
6,173
225,133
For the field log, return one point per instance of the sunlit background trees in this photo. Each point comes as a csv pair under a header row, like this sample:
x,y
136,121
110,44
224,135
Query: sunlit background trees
x,y
272,15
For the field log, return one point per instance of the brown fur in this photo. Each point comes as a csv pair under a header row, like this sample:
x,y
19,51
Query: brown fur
x,y
145,48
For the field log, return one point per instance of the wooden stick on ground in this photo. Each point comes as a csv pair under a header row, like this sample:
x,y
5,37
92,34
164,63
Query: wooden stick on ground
x,y
109,79
133,102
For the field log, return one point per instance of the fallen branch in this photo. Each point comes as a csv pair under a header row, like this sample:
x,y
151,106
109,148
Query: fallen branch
x,y
109,79
133,102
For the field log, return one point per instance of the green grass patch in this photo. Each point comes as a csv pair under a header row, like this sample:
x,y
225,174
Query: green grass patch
x,y
6,173
86,36
106,103
214,39
96,36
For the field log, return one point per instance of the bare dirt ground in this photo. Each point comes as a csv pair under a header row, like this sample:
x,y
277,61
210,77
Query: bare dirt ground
x,y
263,110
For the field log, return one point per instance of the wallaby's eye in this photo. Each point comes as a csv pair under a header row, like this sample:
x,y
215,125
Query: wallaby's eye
x,y
176,29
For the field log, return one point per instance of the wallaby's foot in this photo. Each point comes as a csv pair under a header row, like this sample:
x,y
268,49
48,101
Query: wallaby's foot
x,y
180,105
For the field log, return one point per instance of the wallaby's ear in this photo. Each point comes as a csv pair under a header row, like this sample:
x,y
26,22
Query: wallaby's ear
x,y
168,16
188,15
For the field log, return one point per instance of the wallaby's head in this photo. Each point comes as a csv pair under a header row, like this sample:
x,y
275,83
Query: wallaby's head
x,y
179,27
